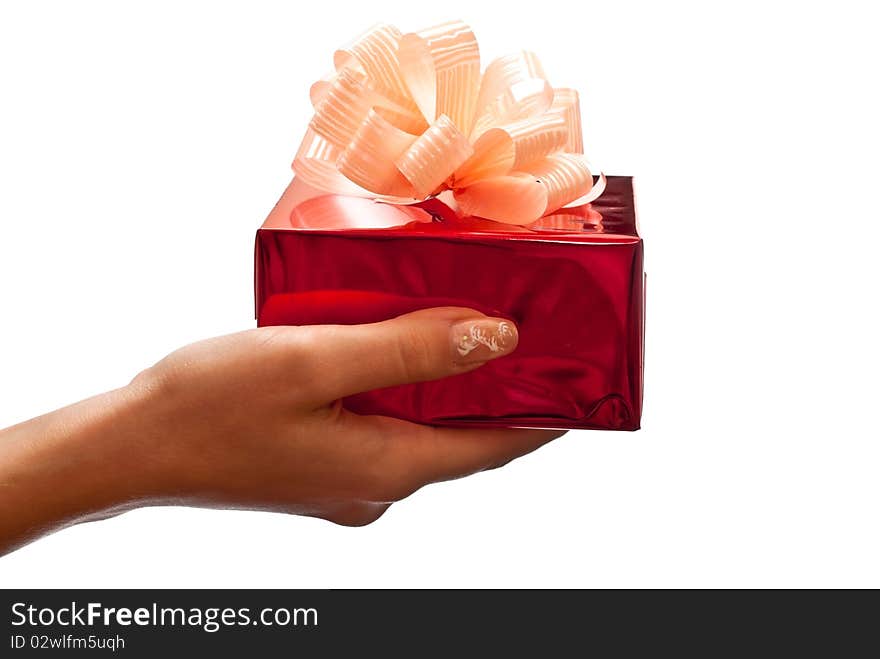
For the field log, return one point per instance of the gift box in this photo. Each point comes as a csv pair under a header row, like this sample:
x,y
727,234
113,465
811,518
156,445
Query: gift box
x,y
572,282
423,181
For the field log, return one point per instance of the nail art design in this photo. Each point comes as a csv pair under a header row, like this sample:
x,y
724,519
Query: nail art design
x,y
477,336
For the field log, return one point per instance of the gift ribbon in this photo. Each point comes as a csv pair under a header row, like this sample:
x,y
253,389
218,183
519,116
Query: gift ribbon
x,y
408,116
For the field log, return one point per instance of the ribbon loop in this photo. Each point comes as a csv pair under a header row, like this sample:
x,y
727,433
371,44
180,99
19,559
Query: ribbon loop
x,y
434,156
370,159
566,104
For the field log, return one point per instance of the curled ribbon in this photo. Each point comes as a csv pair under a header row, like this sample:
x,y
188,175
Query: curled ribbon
x,y
408,116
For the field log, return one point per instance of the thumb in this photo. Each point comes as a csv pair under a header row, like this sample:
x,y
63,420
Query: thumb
x,y
423,345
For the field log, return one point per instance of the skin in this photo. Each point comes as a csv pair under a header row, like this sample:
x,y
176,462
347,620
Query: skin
x,y
254,421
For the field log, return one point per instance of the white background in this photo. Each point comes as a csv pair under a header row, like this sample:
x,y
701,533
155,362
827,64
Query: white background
x,y
142,144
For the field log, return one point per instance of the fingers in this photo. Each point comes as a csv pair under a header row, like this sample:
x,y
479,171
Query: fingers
x,y
441,454
416,455
425,345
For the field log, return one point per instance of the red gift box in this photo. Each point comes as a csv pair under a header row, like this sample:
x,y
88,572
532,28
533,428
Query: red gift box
x,y
573,283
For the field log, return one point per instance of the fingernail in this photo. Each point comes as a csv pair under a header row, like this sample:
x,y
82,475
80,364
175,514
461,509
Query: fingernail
x,y
479,340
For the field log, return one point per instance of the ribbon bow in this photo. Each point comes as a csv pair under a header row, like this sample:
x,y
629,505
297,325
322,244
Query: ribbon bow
x,y
407,116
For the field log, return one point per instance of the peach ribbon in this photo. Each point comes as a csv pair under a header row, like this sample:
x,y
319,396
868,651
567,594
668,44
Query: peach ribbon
x,y
408,116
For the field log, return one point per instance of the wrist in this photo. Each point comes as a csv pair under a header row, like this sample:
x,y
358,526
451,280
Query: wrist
x,y
75,464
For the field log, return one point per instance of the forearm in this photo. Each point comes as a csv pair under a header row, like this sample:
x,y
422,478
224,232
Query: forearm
x,y
77,463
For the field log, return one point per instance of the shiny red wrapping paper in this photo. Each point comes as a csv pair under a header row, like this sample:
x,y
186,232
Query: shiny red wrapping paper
x,y
573,282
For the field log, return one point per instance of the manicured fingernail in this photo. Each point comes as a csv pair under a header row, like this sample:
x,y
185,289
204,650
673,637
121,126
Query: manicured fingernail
x,y
481,339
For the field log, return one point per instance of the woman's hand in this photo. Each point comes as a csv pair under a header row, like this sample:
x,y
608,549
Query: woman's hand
x,y
253,420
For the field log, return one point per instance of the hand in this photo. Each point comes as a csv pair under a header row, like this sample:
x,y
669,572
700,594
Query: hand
x,y
253,420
